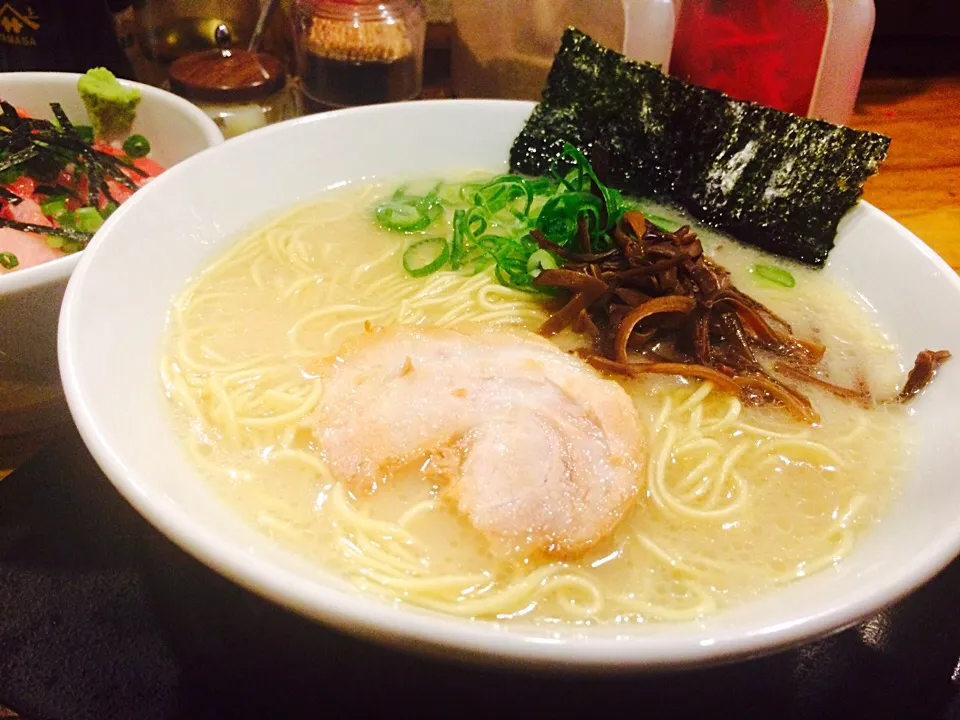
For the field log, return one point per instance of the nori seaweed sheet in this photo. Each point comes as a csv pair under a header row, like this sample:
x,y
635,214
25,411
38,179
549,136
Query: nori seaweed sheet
x,y
769,178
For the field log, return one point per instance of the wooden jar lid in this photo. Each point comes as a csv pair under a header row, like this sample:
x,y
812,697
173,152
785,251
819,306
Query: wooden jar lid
x,y
228,75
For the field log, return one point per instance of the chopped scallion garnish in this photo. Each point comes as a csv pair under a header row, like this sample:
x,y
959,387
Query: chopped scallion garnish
x,y
88,219
136,146
54,207
774,274
409,214
68,233
85,132
662,223
507,222
425,257
541,260
456,251
8,260
10,176
401,217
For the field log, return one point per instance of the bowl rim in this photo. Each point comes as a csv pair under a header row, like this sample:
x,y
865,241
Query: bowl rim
x,y
408,628
61,268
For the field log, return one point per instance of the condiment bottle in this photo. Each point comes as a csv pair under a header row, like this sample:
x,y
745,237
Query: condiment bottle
x,y
240,90
801,56
359,52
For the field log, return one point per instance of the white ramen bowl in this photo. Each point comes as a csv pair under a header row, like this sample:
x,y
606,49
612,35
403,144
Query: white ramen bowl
x,y
30,394
114,317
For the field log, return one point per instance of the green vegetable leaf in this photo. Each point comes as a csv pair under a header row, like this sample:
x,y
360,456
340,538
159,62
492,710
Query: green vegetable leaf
x,y
774,274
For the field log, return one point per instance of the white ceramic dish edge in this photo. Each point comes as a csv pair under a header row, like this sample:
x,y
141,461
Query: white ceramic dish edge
x,y
61,268
30,298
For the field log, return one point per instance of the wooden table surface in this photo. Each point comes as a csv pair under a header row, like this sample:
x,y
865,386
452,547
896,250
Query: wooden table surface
x,y
918,184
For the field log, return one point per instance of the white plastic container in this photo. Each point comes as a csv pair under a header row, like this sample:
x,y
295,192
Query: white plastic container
x,y
844,57
504,48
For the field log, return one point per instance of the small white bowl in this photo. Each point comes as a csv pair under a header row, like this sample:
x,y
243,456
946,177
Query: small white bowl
x,y
115,312
30,392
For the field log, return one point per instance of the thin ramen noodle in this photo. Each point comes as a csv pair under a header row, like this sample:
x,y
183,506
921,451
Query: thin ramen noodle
x,y
733,500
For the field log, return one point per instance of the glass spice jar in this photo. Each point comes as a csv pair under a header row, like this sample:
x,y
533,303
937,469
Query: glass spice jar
x,y
238,89
358,52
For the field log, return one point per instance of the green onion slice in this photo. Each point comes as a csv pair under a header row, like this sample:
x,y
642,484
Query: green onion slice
x,y
54,207
491,221
88,219
402,217
85,132
540,260
612,200
775,274
136,146
542,186
503,191
662,223
409,214
430,205
8,260
449,193
457,248
10,176
426,256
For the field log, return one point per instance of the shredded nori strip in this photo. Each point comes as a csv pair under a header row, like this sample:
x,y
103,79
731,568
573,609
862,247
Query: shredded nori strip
x,y
10,196
53,190
40,149
769,178
75,235
62,118
19,157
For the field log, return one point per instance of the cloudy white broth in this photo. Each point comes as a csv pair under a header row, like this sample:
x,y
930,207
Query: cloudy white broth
x,y
725,499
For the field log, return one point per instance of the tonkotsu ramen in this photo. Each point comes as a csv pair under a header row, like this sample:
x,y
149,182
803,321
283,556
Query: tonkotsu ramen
x,y
468,426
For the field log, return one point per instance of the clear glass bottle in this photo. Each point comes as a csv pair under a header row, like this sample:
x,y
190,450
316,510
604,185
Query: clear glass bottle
x,y
358,52
171,29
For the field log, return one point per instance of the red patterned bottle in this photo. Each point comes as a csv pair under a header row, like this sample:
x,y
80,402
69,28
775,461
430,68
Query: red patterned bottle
x,y
801,56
